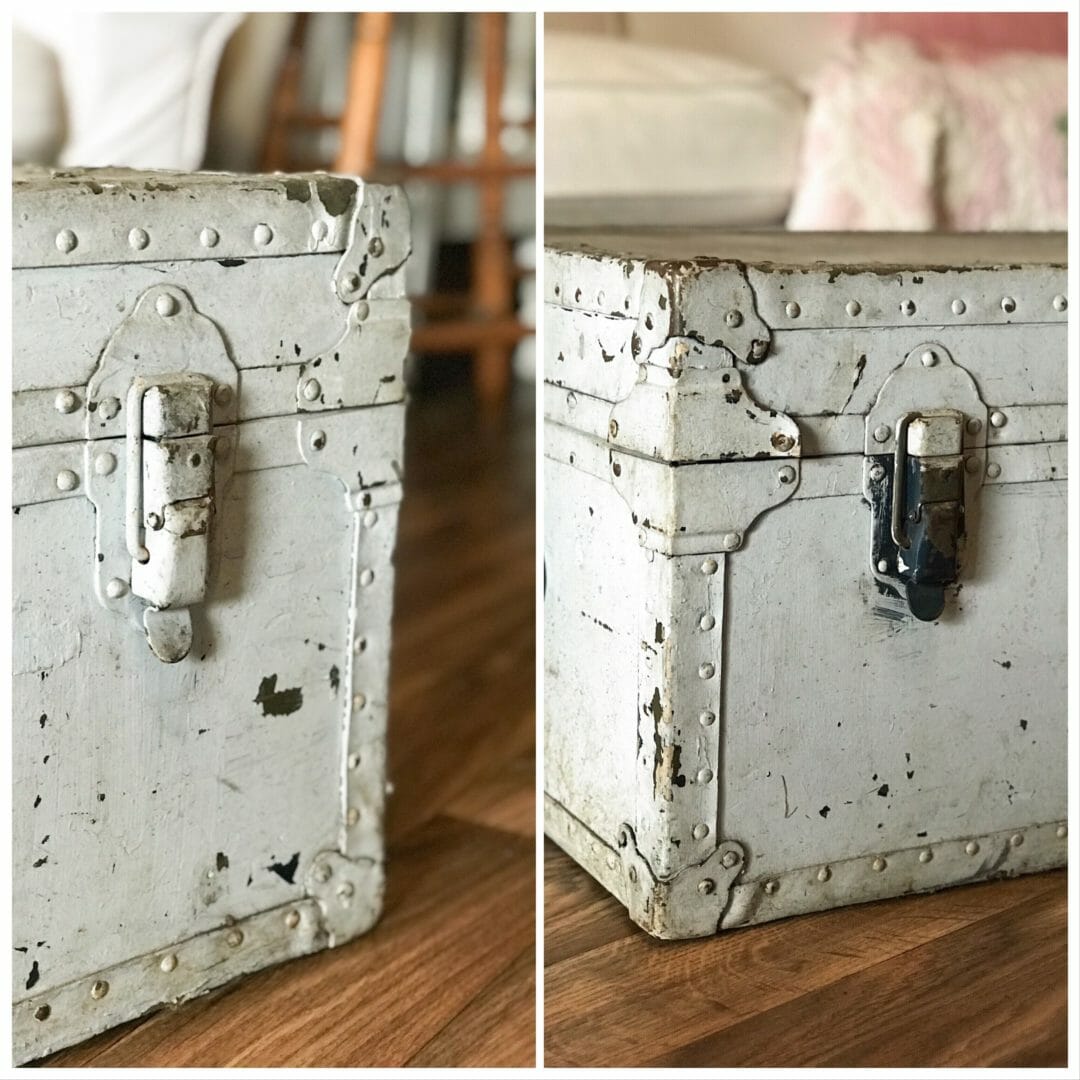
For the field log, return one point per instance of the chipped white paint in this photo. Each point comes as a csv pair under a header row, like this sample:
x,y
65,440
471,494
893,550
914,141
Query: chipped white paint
x,y
171,820
723,674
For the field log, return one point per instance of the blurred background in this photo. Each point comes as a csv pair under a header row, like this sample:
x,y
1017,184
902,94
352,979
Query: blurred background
x,y
913,121
442,102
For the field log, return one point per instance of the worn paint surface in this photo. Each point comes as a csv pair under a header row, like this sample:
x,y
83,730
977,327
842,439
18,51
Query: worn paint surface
x,y
787,704
178,824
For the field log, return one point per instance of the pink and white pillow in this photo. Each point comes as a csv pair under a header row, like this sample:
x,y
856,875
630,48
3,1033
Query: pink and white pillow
x,y
970,141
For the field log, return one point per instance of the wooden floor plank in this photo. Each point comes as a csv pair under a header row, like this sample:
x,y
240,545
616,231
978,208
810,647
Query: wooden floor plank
x,y
986,995
447,976
628,1000
471,1036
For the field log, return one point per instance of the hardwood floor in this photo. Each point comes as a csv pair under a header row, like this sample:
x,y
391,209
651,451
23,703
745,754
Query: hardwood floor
x,y
972,976
447,976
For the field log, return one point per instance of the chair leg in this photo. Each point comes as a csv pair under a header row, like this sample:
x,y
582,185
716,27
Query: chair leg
x,y
492,278
367,79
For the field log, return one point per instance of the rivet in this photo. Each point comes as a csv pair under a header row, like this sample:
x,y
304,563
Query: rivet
x,y
611,860
879,864
883,566
65,402
929,358
354,761
792,310
42,1012
223,394
877,473
642,538
312,390
352,816
370,519
109,407
853,308
958,307
972,464
706,887
1008,305
706,622
730,541
362,311
704,776
1060,303
772,886
571,400
263,234
154,521
1016,839
105,464
66,480
142,555
367,577
707,671
66,241
824,874
700,831
782,442
138,238
974,425
926,855
993,470
882,433
733,319
907,307
998,419
709,566
730,860
359,645
99,989
616,468
318,440
292,920
209,237
600,298
350,282
375,247
1062,832
971,847
116,588
613,427
168,963
166,305
319,231
786,475
707,718
234,939
358,702
346,890
632,873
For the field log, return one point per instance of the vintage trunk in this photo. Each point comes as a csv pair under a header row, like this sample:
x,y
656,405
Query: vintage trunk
x,y
805,566
208,414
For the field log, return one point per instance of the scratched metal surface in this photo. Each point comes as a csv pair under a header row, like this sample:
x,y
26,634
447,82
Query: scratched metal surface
x,y
719,663
176,825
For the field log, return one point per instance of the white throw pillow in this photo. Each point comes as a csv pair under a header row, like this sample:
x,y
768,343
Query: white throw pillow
x,y
625,122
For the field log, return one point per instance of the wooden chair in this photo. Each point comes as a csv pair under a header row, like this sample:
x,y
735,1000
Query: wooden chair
x,y
484,320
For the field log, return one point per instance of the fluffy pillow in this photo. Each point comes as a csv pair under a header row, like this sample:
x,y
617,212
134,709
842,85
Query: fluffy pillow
x,y
897,141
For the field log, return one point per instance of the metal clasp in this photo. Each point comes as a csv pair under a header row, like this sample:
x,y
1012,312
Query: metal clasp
x,y
919,513
169,502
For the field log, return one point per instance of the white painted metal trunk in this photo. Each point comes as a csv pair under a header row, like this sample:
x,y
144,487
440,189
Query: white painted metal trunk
x,y
208,415
805,564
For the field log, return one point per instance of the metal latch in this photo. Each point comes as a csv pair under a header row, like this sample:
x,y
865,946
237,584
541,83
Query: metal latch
x,y
919,508
169,502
